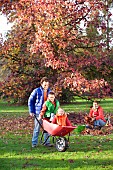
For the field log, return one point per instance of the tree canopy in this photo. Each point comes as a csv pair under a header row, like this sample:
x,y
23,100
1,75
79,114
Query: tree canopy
x,y
60,39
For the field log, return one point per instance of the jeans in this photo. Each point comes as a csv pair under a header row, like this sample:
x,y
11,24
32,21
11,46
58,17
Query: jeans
x,y
36,133
99,122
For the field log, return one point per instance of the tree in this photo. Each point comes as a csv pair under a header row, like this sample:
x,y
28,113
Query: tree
x,y
52,38
23,71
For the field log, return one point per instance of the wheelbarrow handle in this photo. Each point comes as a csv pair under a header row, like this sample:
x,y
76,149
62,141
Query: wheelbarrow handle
x,y
38,121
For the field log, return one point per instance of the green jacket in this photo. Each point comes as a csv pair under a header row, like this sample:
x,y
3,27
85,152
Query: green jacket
x,y
51,108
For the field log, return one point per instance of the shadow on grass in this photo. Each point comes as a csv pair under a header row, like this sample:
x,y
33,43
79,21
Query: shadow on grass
x,y
77,143
18,144
20,155
38,163
85,152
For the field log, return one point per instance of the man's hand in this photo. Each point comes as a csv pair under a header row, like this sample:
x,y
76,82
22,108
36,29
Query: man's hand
x,y
31,114
39,118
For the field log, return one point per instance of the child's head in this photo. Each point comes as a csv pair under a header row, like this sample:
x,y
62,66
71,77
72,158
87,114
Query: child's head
x,y
51,96
60,112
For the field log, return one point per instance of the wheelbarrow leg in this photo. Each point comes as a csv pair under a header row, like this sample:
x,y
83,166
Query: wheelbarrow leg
x,y
43,143
53,139
43,136
46,138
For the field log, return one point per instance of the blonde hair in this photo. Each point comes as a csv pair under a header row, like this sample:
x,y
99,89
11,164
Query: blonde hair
x,y
60,110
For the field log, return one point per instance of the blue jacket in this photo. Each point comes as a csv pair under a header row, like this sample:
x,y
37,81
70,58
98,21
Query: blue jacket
x,y
36,100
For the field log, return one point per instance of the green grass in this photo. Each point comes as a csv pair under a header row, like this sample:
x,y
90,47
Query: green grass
x,y
81,105
84,153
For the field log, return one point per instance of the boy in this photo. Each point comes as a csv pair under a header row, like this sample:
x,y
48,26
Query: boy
x,y
49,108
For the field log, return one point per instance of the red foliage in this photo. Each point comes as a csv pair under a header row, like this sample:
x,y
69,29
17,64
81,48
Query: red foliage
x,y
48,34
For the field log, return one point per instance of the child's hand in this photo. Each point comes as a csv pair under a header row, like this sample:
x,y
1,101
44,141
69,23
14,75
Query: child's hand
x,y
93,119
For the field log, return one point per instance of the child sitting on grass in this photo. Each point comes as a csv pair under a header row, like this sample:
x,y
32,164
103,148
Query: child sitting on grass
x,y
61,118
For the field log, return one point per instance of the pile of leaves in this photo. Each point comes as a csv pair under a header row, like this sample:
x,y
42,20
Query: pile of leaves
x,y
104,131
78,119
17,125
24,125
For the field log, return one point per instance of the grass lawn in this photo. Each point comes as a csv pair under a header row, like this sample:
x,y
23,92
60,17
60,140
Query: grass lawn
x,y
84,106
79,105
85,152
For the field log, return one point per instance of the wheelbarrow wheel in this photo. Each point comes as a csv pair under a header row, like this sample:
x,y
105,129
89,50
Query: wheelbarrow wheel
x,y
61,144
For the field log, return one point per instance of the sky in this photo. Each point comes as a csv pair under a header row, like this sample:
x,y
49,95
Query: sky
x,y
4,26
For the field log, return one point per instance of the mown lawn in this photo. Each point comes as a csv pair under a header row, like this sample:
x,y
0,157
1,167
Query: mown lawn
x,y
78,106
84,106
85,152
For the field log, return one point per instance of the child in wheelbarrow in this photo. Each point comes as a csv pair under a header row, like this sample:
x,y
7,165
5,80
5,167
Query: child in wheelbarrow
x,y
49,108
61,118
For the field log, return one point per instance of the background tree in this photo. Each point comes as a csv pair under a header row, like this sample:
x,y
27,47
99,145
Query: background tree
x,y
47,39
23,70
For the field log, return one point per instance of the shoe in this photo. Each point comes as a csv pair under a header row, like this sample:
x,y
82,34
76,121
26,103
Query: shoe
x,y
34,146
97,127
48,145
89,127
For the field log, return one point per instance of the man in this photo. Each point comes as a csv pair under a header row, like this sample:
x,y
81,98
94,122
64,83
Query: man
x,y
35,102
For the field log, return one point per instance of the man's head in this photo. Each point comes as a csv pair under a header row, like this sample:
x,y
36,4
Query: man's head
x,y
44,83
51,96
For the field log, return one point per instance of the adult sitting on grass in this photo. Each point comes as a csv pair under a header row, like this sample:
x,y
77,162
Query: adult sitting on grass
x,y
97,116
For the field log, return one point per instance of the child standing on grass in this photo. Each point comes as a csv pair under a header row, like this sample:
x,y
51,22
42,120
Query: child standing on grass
x,y
49,108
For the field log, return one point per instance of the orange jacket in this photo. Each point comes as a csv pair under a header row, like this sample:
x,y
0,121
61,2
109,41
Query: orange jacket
x,y
61,120
99,113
